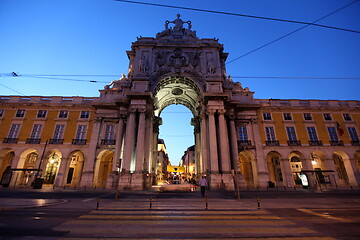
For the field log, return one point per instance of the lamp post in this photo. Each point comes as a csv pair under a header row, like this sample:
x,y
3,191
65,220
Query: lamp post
x,y
38,183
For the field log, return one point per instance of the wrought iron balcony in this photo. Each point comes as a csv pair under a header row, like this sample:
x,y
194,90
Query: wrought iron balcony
x,y
294,143
315,143
272,143
244,143
56,141
79,141
10,140
355,143
337,143
108,141
33,141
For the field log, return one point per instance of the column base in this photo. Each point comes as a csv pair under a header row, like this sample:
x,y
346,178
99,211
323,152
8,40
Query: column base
x,y
222,181
87,179
133,181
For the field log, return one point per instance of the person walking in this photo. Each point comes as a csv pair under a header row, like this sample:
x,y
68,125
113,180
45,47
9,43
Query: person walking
x,y
203,184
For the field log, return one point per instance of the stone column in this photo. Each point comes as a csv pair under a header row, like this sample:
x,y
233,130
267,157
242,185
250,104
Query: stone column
x,y
287,173
214,164
113,178
234,147
263,176
224,143
204,146
129,141
307,165
89,165
62,173
353,176
140,143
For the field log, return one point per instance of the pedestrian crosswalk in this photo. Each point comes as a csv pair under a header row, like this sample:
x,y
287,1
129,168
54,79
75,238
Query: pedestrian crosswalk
x,y
182,219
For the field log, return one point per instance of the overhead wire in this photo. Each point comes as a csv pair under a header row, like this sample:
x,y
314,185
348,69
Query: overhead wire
x,y
240,15
290,33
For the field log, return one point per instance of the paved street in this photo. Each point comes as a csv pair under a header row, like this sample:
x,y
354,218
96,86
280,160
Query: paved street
x,y
147,215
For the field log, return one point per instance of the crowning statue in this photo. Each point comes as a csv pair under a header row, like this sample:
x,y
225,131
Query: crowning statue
x,y
178,30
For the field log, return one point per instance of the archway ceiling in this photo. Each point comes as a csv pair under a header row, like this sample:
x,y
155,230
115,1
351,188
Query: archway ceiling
x,y
176,93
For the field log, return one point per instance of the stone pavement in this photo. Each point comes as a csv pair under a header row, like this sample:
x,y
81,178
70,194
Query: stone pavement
x,y
20,203
182,219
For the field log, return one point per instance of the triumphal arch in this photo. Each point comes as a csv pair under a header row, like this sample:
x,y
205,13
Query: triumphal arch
x,y
175,67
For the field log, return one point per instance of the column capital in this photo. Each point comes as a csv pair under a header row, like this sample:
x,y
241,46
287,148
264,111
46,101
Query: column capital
x,y
221,111
211,111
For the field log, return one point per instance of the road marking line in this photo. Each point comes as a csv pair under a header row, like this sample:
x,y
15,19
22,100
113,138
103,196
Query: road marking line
x,y
324,215
88,199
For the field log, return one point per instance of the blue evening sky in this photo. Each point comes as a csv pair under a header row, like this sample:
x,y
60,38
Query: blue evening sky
x,y
91,37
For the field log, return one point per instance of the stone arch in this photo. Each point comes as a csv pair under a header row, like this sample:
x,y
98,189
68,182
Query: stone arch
x,y
344,168
6,160
29,159
177,90
357,160
274,159
246,161
74,168
103,167
50,166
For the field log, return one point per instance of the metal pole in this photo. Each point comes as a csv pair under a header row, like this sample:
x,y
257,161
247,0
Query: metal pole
x,y
41,159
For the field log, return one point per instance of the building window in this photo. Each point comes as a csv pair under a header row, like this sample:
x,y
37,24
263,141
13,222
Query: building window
x,y
347,117
291,134
63,113
307,116
2,113
243,134
267,116
36,131
41,113
84,114
353,134
287,116
81,132
332,134
20,113
270,134
110,132
312,133
59,131
327,117
14,131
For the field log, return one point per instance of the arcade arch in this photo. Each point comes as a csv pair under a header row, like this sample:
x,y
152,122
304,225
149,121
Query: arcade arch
x,y
275,170
103,167
74,168
247,168
6,160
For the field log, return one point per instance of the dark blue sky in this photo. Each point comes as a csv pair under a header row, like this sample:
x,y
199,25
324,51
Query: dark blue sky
x,y
90,37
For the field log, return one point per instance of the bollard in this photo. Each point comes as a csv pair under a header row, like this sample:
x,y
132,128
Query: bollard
x,y
97,203
117,194
75,187
258,202
150,201
206,203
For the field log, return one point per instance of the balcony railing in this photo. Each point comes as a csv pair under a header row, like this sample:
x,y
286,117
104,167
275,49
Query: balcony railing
x,y
108,141
355,143
272,143
315,143
79,141
33,141
10,140
56,141
294,143
244,143
337,143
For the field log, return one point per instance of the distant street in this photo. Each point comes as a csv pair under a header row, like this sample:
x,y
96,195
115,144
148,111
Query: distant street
x,y
73,214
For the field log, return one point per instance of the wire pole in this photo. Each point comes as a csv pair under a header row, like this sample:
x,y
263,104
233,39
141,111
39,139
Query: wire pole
x,y
41,159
